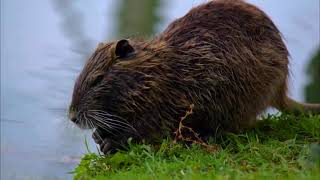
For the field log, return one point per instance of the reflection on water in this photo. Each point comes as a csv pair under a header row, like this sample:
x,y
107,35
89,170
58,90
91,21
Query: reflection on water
x,y
40,60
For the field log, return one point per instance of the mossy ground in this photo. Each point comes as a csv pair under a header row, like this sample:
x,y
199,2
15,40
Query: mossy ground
x,y
280,147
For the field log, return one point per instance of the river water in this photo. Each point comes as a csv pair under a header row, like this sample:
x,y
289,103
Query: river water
x,y
39,64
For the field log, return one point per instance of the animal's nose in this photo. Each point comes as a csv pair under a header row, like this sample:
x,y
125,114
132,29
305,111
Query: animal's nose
x,y
73,119
72,115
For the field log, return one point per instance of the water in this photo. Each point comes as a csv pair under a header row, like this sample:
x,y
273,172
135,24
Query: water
x,y
39,64
38,70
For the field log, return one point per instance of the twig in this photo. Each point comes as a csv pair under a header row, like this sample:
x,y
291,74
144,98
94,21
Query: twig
x,y
194,137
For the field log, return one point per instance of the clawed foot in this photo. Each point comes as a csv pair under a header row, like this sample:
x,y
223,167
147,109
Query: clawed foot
x,y
108,144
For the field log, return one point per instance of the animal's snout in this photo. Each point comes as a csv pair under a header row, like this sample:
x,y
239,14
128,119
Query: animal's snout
x,y
73,119
72,115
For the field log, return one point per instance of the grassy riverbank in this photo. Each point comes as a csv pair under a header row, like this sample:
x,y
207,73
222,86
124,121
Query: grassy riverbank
x,y
281,147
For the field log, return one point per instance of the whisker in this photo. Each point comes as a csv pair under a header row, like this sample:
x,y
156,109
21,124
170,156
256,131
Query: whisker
x,y
108,122
88,121
114,126
92,125
116,123
102,125
122,124
103,112
109,115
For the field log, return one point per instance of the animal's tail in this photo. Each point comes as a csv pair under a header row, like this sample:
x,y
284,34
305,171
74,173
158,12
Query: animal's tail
x,y
297,107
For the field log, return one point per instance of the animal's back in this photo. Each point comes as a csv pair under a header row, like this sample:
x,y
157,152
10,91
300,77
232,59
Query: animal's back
x,y
226,57
234,61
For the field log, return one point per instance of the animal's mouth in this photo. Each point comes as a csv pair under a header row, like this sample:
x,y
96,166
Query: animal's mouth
x,y
110,131
80,119
83,124
92,119
114,124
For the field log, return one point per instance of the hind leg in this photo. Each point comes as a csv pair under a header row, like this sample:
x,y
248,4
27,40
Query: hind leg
x,y
279,100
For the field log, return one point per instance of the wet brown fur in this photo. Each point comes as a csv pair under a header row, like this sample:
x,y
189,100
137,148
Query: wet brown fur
x,y
226,57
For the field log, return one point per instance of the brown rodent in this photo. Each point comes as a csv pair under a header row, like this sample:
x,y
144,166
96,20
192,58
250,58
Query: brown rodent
x,y
226,57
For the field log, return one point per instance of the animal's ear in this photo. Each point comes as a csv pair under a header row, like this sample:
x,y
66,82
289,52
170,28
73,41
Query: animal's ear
x,y
123,49
100,46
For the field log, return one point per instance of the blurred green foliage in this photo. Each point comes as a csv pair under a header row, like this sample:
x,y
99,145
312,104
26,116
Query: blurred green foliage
x,y
312,90
137,18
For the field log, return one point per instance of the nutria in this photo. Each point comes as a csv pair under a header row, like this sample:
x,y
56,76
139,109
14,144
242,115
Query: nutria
x,y
226,57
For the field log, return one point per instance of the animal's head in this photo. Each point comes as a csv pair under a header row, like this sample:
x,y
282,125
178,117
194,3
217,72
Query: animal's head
x,y
99,87
122,89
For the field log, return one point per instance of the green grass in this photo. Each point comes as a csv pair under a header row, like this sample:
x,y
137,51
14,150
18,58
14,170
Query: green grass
x,y
280,147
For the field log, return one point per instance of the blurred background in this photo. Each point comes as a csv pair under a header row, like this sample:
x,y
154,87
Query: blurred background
x,y
44,45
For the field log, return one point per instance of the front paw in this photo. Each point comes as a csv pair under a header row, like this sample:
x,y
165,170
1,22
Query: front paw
x,y
109,144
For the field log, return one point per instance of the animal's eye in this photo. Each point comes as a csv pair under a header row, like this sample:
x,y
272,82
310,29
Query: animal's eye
x,y
97,80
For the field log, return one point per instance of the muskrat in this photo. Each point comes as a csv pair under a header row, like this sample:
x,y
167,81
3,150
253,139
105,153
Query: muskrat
x,y
225,57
